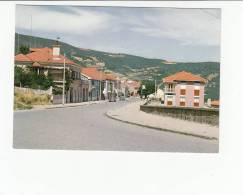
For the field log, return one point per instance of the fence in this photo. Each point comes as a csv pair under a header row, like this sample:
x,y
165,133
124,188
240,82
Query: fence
x,y
35,91
201,115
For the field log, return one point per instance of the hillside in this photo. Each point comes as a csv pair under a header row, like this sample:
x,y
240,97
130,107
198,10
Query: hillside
x,y
134,67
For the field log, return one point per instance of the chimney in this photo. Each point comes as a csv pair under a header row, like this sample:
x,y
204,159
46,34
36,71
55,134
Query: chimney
x,y
56,50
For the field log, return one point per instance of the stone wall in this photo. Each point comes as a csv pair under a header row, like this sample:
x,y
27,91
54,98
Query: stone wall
x,y
201,115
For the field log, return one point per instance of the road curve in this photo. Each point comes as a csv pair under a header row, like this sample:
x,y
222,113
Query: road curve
x,y
87,128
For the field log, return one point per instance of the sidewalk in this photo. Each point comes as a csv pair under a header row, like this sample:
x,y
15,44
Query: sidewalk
x,y
131,114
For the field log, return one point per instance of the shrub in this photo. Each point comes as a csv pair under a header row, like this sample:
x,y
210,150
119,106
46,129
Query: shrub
x,y
28,100
31,79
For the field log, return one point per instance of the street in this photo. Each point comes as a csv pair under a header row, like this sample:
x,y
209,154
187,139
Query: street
x,y
88,128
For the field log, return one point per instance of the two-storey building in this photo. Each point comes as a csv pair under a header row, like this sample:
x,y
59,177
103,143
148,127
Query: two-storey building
x,y
184,89
49,61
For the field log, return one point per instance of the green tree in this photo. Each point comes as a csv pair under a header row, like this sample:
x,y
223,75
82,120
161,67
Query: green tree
x,y
149,88
31,79
68,80
18,76
24,49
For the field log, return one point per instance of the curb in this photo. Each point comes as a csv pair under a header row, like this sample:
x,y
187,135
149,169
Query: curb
x,y
47,108
74,105
161,129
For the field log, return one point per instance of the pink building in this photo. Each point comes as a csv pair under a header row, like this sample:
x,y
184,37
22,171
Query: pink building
x,y
184,89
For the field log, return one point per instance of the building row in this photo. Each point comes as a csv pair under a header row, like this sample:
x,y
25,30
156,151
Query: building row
x,y
182,89
88,83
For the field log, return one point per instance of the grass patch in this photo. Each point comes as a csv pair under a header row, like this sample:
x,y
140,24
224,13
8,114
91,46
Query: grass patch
x,y
24,100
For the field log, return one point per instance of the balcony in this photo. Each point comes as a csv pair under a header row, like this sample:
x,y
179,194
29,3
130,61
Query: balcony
x,y
84,82
169,90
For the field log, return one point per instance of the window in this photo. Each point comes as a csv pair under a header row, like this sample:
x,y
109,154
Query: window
x,y
169,103
196,101
182,103
169,100
182,100
183,92
170,88
196,92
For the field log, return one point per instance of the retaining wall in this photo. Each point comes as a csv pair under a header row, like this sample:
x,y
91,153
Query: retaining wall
x,y
201,115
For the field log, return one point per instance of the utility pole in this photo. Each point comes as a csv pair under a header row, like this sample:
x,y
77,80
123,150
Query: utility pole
x,y
18,42
31,31
64,80
100,82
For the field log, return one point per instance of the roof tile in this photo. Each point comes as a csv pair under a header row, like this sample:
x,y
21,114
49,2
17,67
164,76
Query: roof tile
x,y
43,55
184,76
93,73
22,58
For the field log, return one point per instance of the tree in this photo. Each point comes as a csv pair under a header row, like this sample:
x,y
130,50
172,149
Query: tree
x,y
149,88
68,80
31,79
18,76
24,49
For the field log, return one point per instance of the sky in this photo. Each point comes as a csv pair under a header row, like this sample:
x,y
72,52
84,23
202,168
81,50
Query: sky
x,y
173,34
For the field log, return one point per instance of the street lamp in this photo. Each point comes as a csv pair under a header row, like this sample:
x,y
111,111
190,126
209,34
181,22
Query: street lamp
x,y
100,69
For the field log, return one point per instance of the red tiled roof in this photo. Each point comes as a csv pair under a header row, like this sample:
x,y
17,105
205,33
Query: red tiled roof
x,y
110,76
184,76
44,49
93,73
43,55
22,58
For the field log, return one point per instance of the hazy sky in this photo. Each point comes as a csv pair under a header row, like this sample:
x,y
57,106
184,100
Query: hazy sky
x,y
165,33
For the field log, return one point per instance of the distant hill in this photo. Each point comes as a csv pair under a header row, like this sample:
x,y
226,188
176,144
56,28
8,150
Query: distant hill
x,y
134,67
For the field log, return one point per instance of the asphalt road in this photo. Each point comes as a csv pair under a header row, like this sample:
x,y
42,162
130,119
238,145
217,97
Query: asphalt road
x,y
87,128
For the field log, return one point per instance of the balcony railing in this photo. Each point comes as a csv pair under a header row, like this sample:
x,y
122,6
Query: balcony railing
x,y
84,82
169,90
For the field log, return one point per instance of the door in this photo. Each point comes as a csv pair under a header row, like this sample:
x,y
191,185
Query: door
x,y
71,95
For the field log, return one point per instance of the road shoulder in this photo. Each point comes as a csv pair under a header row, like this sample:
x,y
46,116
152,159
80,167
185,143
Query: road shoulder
x,y
67,105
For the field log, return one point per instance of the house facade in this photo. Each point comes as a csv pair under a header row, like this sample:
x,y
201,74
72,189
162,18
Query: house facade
x,y
49,61
184,89
96,81
112,86
102,86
